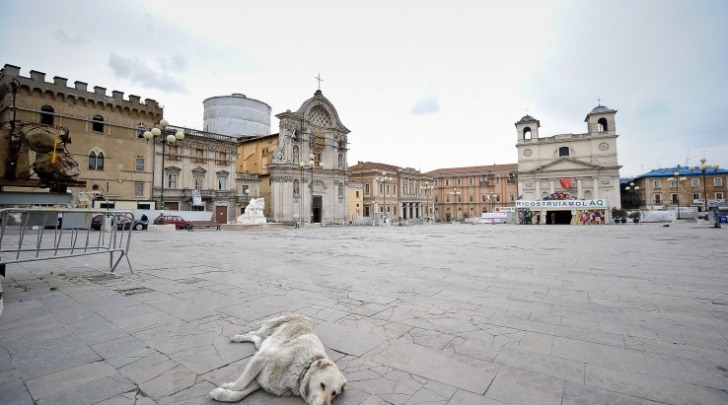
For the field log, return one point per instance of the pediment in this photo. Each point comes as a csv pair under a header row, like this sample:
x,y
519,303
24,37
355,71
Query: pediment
x,y
566,163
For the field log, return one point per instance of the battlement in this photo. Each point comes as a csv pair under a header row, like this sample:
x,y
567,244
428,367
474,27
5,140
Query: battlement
x,y
36,81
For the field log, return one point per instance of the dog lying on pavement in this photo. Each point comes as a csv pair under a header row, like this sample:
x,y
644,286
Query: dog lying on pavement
x,y
290,361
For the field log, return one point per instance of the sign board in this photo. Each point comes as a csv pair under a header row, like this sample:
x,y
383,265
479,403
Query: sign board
x,y
494,215
505,209
562,204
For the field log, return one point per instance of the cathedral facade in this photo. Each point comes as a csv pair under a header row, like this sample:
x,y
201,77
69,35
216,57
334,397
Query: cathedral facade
x,y
563,177
308,169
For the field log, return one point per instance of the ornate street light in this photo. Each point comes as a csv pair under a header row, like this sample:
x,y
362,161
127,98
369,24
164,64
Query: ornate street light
x,y
384,180
455,193
704,168
635,193
310,165
676,181
154,137
427,189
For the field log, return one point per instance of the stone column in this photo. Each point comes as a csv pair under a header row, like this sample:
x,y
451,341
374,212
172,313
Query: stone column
x,y
579,192
552,189
595,181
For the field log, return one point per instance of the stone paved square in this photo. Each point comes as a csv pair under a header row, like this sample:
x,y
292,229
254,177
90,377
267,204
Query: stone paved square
x,y
430,314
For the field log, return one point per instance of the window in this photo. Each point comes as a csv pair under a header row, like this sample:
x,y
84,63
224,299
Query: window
x,y
97,124
447,198
658,198
366,188
245,190
447,182
458,182
511,197
602,125
341,190
46,115
470,198
357,193
199,155
96,160
140,131
470,181
695,182
718,181
139,164
172,180
674,197
718,196
221,158
527,133
696,196
673,183
656,183
563,151
222,182
138,188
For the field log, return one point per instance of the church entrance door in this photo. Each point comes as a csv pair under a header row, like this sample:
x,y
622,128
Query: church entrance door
x,y
317,209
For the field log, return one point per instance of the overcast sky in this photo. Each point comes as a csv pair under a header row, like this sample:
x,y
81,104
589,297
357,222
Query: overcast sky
x,y
409,77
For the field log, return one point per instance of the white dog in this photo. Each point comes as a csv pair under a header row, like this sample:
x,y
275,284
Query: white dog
x,y
290,361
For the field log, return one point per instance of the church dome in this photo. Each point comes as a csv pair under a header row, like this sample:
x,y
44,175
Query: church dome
x,y
600,109
527,118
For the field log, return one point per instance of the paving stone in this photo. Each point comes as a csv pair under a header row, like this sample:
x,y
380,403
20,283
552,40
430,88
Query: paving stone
x,y
347,341
653,388
462,397
14,392
554,366
469,374
536,343
523,387
51,384
580,394
49,357
91,393
169,383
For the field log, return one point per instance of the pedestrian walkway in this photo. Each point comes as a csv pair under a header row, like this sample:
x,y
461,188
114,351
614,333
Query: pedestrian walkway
x,y
433,314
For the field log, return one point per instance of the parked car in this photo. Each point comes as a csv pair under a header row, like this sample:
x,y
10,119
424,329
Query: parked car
x,y
121,222
177,221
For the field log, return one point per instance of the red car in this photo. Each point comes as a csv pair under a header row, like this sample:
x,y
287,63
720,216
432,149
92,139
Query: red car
x,y
177,221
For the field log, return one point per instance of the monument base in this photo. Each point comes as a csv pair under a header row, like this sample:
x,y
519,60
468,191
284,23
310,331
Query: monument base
x,y
243,227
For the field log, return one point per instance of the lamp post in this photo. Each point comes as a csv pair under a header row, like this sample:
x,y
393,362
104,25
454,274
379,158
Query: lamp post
x,y
455,193
384,181
704,168
676,181
427,189
310,165
153,137
635,193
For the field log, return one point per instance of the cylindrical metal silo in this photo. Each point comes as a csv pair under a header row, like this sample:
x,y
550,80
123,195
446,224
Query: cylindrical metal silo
x,y
236,115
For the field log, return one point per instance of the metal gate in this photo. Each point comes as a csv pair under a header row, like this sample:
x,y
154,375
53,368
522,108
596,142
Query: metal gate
x,y
42,234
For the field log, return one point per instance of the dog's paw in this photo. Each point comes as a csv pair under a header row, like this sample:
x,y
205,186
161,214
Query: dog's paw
x,y
227,385
239,338
219,394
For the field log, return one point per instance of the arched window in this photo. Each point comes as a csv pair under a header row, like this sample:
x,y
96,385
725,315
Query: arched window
x,y
98,124
96,160
563,151
602,125
46,115
527,134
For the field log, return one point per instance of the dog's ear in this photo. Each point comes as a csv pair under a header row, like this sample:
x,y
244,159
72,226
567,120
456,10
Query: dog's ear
x,y
321,364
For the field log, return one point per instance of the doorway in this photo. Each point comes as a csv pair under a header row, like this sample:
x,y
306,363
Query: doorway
x,y
558,217
316,209
221,216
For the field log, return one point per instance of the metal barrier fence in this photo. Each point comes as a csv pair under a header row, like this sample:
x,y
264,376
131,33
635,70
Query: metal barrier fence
x,y
32,234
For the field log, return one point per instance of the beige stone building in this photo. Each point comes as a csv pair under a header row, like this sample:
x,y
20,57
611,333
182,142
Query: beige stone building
x,y
198,172
580,170
105,130
392,192
467,192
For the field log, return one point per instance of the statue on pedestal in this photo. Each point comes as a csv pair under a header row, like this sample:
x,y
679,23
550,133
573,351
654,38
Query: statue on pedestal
x,y
253,213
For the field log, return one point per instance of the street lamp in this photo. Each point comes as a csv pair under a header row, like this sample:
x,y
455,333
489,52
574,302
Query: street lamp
x,y
676,181
455,193
384,180
635,190
310,165
704,168
427,189
154,137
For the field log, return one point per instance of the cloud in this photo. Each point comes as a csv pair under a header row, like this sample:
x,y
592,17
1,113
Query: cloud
x,y
139,72
67,39
427,105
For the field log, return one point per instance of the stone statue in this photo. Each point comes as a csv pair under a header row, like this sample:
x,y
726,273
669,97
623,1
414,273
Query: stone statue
x,y
253,212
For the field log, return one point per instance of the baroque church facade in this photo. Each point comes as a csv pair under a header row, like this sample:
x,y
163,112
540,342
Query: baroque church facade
x,y
569,175
308,168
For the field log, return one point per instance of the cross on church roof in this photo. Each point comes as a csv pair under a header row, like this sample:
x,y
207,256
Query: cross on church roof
x,y
318,77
